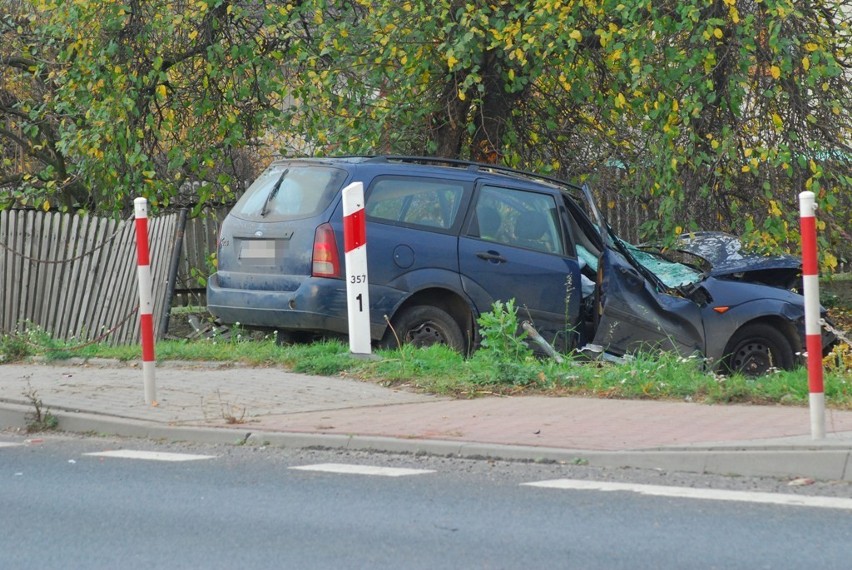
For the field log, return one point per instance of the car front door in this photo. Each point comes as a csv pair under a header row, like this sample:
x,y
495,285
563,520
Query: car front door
x,y
514,247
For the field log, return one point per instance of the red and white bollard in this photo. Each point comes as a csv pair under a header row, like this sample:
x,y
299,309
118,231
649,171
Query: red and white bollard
x,y
146,302
813,332
357,286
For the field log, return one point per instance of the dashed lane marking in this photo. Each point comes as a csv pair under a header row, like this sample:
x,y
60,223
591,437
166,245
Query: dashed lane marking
x,y
362,470
150,455
707,494
10,444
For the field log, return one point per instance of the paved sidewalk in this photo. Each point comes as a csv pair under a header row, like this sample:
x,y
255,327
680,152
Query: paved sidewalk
x,y
230,404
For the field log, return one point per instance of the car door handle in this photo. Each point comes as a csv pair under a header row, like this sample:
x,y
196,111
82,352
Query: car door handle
x,y
491,256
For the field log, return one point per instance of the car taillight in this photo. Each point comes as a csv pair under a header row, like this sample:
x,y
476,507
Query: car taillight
x,y
326,262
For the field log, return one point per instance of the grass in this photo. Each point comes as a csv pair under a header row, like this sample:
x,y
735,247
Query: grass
x,y
491,370
439,370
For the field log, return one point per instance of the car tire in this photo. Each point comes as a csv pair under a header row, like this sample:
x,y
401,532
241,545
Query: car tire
x,y
757,348
424,325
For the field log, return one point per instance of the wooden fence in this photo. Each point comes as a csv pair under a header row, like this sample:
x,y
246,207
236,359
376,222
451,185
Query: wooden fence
x,y
75,277
199,242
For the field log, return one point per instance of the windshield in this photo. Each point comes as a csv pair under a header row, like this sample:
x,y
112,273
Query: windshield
x,y
290,192
671,273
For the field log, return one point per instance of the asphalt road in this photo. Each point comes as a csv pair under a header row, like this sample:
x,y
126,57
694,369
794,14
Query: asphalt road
x,y
248,507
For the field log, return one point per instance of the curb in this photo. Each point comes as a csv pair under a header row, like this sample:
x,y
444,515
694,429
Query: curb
x,y
760,461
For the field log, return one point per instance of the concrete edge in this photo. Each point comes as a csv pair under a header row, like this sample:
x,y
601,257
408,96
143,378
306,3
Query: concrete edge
x,y
829,464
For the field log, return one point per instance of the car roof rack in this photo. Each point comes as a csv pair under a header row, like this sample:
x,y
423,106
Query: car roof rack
x,y
474,166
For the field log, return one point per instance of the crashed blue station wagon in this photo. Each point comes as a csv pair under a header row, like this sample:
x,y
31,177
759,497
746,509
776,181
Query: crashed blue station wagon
x,y
446,239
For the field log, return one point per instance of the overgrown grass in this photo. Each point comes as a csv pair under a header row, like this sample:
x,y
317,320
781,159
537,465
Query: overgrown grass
x,y
502,366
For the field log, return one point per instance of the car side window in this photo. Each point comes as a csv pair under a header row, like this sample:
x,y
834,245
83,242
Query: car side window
x,y
517,218
416,202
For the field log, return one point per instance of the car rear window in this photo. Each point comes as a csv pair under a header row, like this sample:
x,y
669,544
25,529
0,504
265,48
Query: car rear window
x,y
285,192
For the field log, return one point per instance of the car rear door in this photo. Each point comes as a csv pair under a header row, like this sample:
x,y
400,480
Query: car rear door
x,y
412,230
514,247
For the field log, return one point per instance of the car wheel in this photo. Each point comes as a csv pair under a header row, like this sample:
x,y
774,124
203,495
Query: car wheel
x,y
424,325
756,348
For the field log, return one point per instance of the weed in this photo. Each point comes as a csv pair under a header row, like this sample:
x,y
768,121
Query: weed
x,y
500,333
26,340
230,412
13,348
41,419
504,357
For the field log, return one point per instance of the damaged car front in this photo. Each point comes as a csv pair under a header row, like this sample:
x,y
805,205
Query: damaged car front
x,y
646,301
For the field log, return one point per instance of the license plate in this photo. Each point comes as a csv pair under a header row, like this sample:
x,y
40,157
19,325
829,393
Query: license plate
x,y
258,249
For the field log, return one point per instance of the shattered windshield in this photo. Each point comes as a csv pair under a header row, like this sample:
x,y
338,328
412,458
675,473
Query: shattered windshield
x,y
671,273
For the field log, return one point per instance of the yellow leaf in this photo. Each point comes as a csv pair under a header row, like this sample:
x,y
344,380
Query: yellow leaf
x,y
718,33
678,230
576,35
161,90
451,61
829,260
635,65
193,34
777,120
745,168
806,63
810,46
462,96
775,71
46,205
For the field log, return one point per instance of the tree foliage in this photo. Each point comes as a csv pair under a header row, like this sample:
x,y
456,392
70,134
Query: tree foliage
x,y
706,113
106,100
711,113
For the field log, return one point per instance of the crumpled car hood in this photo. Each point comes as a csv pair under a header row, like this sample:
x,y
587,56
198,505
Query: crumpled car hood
x,y
724,252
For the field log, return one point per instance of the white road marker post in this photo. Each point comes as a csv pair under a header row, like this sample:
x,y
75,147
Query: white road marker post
x,y
813,332
357,285
146,302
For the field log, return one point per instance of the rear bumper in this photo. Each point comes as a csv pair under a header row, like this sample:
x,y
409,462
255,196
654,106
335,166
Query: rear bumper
x,y
316,305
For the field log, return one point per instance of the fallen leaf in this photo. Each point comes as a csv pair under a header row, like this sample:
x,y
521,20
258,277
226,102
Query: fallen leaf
x,y
800,481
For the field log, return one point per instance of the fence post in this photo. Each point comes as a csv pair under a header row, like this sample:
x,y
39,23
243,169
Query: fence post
x,y
813,332
146,302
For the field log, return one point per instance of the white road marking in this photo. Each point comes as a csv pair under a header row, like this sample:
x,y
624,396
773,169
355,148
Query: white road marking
x,y
707,494
10,444
362,470
150,455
